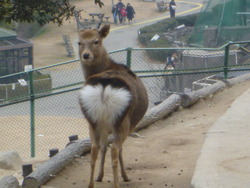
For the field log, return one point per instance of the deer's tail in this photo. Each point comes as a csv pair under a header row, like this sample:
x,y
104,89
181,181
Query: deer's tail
x,y
105,101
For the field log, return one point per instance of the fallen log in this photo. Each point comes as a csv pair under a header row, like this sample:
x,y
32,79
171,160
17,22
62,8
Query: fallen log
x,y
193,97
9,182
51,167
239,79
161,110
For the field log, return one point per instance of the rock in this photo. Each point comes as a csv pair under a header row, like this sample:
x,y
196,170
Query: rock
x,y
10,160
9,182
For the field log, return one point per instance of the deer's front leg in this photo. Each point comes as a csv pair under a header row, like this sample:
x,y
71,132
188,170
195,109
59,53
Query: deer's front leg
x,y
94,154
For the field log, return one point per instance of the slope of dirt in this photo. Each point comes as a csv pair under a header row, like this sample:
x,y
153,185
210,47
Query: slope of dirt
x,y
167,154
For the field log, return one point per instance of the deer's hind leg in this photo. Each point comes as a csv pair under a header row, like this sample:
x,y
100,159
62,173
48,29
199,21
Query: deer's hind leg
x,y
114,157
102,161
94,154
119,137
93,157
123,171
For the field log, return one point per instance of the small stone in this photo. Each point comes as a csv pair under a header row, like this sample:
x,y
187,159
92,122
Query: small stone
x,y
10,160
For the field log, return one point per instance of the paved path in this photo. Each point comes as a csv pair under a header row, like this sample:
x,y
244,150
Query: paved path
x,y
125,36
225,157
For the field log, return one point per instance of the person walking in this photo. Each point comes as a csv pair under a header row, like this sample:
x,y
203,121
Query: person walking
x,y
172,8
115,13
123,14
119,6
130,12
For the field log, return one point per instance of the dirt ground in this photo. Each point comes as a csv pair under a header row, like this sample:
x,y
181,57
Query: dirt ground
x,y
167,154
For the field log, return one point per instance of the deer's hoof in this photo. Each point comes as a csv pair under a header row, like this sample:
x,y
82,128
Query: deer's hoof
x,y
126,179
91,186
98,179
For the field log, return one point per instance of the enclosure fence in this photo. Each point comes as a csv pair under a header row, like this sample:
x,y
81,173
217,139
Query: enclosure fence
x,y
39,108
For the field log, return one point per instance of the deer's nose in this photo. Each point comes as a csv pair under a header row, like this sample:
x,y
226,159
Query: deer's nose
x,y
85,56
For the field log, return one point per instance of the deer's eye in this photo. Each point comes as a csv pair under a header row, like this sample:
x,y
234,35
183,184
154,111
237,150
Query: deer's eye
x,y
96,42
79,44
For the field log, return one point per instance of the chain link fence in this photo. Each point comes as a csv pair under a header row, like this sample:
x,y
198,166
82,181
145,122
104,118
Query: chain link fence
x,y
39,109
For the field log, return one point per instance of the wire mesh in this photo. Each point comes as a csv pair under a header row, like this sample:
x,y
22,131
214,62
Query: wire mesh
x,y
221,21
57,114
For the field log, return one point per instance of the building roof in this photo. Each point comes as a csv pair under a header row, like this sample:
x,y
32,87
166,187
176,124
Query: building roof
x,y
9,40
5,33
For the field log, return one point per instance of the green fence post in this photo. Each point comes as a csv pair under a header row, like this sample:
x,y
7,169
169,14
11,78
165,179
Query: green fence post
x,y
32,114
226,61
129,55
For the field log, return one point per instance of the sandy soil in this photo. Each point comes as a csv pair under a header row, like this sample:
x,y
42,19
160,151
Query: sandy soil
x,y
49,47
167,154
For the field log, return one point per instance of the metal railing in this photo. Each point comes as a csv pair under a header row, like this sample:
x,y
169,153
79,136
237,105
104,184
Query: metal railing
x,y
39,108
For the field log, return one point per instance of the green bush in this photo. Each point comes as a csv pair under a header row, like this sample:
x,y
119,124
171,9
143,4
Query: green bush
x,y
28,30
42,84
10,26
161,28
188,21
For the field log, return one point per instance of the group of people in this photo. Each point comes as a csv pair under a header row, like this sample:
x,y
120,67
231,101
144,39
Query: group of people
x,y
121,13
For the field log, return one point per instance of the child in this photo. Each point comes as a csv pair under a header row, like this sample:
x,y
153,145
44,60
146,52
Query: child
x,y
123,14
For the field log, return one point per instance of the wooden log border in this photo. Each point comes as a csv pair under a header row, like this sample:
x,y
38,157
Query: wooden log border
x,y
81,147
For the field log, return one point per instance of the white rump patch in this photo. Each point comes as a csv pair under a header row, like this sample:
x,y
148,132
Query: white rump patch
x,y
104,105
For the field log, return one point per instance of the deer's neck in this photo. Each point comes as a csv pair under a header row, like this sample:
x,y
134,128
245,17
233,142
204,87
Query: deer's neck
x,y
96,67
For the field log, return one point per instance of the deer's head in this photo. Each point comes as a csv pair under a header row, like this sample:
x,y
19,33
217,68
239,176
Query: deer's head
x,y
91,50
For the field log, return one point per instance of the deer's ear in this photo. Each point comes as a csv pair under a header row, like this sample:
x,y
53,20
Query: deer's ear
x,y
104,31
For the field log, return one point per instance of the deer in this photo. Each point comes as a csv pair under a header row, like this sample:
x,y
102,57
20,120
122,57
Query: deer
x,y
113,100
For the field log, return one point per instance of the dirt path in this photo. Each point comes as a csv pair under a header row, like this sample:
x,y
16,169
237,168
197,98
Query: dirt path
x,y
166,157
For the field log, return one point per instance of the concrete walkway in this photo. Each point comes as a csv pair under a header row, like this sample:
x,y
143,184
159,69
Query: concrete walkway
x,y
125,36
224,161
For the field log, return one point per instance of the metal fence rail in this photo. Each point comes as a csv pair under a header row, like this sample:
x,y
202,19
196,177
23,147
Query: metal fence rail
x,y
39,108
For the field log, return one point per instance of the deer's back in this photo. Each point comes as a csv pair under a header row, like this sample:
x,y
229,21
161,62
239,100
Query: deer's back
x,y
122,77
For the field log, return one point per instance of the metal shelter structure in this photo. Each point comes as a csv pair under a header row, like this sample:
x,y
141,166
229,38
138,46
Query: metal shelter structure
x,y
15,53
221,21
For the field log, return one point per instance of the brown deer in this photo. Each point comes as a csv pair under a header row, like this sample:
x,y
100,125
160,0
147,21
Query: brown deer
x,y
113,100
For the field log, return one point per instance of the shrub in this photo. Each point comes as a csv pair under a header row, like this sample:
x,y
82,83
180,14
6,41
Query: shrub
x,y
161,28
42,84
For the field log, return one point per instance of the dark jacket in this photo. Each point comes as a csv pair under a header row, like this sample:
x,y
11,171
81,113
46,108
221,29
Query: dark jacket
x,y
130,12
119,6
172,3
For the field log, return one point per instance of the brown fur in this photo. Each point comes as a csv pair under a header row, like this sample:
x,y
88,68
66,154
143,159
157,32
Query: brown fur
x,y
100,69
